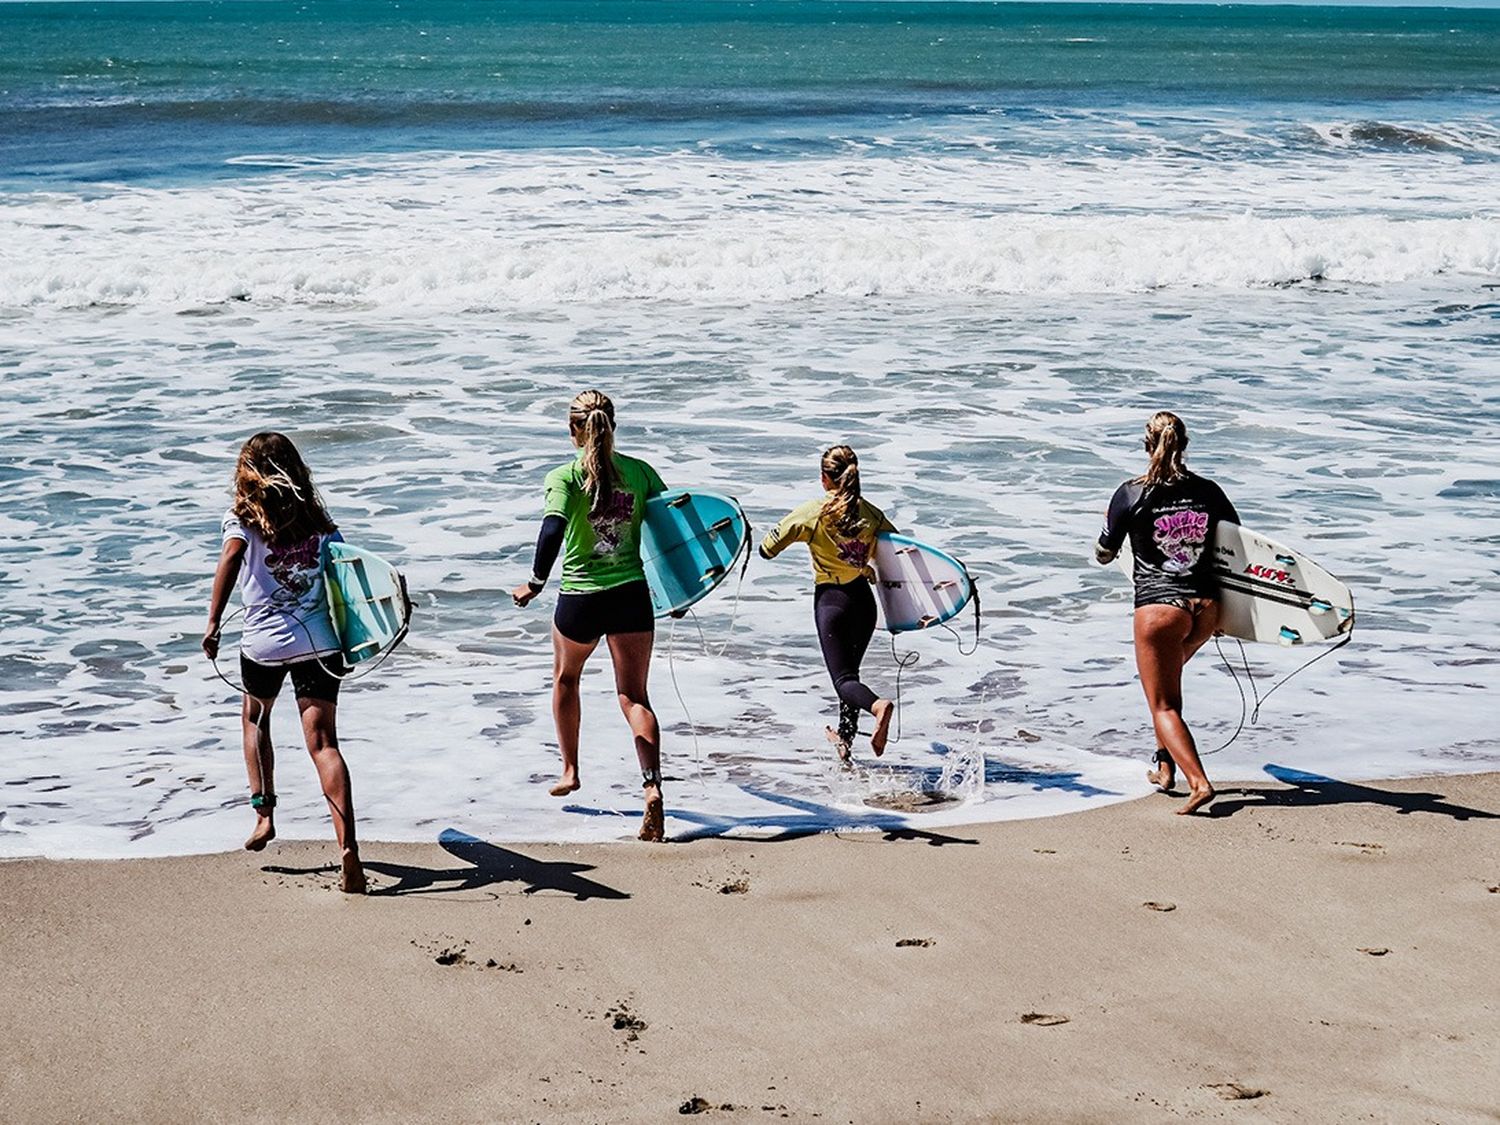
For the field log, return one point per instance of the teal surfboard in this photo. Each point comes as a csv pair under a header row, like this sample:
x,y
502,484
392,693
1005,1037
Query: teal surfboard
x,y
690,542
367,600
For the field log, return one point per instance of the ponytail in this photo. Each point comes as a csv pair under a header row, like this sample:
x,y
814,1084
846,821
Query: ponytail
x,y
841,510
592,417
1166,444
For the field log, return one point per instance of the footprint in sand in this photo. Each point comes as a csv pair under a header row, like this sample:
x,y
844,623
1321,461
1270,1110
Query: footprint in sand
x,y
621,1018
1162,907
915,942
1236,1092
1374,951
699,1104
1043,1019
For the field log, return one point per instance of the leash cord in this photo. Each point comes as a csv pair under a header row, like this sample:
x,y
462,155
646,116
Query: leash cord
x,y
1260,700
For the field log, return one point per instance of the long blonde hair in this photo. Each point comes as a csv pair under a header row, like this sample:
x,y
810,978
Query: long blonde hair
x,y
592,416
841,509
1166,443
274,492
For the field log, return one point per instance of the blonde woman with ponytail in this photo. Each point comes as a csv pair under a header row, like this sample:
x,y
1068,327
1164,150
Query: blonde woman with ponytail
x,y
272,546
839,530
594,508
1169,515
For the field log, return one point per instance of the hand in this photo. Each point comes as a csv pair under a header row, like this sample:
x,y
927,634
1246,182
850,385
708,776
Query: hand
x,y
523,594
211,641
678,614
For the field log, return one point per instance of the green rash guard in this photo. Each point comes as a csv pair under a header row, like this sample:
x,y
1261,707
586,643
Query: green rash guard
x,y
604,551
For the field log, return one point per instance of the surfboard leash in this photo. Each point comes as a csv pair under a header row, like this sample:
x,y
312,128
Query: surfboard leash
x,y
681,702
1260,700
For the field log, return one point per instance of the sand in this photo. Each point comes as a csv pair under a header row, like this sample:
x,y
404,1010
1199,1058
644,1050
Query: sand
x,y
1313,954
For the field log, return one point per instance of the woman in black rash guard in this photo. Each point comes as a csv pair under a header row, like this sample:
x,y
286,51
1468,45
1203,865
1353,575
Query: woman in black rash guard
x,y
1170,515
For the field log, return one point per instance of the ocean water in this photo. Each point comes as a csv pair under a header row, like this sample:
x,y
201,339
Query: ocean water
x,y
979,242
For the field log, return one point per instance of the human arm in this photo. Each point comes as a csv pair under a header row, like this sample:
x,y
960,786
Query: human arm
x,y
794,527
1116,522
231,558
549,543
654,484
1225,507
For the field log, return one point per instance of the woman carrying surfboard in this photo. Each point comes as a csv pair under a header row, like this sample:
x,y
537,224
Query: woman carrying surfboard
x,y
1169,515
593,512
839,530
273,537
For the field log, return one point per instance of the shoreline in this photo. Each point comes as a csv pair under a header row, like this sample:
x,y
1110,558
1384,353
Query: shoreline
x,y
943,816
1304,955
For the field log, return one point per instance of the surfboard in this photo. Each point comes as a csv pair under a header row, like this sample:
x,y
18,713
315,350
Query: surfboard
x,y
367,600
690,541
917,585
1269,592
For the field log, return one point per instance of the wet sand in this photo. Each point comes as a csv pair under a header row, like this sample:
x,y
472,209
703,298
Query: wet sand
x,y
1323,952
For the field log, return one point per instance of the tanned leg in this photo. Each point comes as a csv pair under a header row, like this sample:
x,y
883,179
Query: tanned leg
x,y
260,766
1205,624
631,653
319,729
568,659
1161,633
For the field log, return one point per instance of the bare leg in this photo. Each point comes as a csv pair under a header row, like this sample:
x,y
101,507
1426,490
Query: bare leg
x,y
1161,632
1205,623
631,653
260,766
568,659
319,729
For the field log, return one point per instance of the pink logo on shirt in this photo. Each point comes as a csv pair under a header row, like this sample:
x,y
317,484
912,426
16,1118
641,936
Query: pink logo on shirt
x,y
1180,537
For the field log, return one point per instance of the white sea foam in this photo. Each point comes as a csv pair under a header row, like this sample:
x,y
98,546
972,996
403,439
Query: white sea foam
x,y
493,231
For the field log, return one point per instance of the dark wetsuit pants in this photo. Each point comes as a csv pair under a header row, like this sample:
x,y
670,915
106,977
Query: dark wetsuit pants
x,y
846,621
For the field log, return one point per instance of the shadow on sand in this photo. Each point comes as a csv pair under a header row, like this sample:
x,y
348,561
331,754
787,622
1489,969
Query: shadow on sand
x,y
1311,790
486,867
806,818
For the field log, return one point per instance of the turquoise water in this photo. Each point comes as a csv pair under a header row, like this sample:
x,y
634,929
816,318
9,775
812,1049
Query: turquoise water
x,y
166,90
981,243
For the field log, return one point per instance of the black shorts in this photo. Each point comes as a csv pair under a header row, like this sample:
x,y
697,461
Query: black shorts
x,y
310,678
584,618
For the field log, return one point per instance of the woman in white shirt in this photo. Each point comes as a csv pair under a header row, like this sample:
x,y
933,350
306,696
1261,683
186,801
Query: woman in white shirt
x,y
273,539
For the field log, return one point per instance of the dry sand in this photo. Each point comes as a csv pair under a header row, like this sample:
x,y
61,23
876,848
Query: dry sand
x,y
1325,953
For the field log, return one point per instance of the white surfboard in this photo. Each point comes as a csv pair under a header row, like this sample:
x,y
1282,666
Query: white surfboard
x,y
1269,592
918,586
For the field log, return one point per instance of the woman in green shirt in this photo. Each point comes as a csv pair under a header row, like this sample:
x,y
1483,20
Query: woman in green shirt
x,y
839,530
594,508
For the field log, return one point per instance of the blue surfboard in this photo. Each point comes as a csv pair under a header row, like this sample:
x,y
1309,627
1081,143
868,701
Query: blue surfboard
x,y
690,542
367,601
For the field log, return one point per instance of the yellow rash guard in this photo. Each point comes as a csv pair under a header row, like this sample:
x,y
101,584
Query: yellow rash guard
x,y
835,557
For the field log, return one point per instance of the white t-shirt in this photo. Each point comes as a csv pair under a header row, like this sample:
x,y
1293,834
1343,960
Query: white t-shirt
x,y
286,614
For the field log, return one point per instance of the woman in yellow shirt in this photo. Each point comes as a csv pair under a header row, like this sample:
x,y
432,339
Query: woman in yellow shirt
x,y
840,531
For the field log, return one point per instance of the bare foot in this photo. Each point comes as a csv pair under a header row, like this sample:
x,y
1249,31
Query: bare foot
x,y
565,784
653,824
351,873
265,832
1162,779
1196,800
842,747
884,710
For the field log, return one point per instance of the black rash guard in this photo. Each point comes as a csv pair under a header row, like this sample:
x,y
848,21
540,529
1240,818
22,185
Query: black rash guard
x,y
1170,527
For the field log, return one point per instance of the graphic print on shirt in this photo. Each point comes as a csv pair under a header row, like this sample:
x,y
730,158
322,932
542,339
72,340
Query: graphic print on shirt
x,y
611,524
1180,536
855,552
295,568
